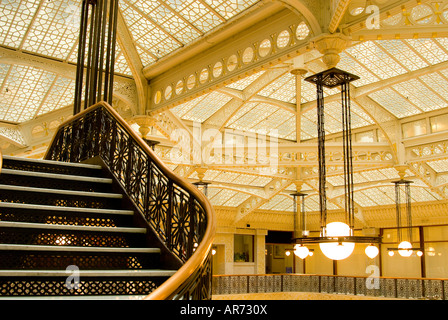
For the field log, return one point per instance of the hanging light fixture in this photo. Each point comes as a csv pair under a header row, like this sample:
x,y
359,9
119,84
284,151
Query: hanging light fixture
x,y
372,251
300,230
337,239
301,251
404,233
337,250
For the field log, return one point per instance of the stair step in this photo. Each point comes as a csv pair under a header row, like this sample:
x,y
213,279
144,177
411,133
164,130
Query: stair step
x,y
83,297
59,227
57,214
21,247
52,162
88,273
61,192
56,176
40,207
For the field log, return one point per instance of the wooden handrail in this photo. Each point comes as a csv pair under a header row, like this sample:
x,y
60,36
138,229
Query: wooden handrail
x,y
202,252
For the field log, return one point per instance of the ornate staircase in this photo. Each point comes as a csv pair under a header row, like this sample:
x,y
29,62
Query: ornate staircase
x,y
118,225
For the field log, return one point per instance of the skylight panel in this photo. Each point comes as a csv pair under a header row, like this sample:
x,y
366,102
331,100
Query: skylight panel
x,y
428,49
285,205
207,107
12,134
275,202
420,95
423,194
254,116
145,56
211,174
436,82
55,30
401,52
15,18
283,89
272,122
229,8
183,108
236,200
222,197
60,95
363,200
226,176
241,112
375,59
261,181
24,90
171,22
121,65
394,103
212,191
150,37
438,165
197,14
287,127
312,203
350,65
359,178
373,175
308,91
381,196
245,82
442,41
335,180
308,127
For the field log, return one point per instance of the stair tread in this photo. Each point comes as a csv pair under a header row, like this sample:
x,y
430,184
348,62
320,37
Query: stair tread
x,y
56,176
28,247
80,297
56,163
90,273
63,208
59,191
29,225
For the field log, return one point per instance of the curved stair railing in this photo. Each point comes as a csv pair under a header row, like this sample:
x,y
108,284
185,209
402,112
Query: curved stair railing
x,y
177,211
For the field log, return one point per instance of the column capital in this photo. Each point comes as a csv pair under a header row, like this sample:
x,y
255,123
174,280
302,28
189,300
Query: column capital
x,y
201,172
145,123
331,45
401,169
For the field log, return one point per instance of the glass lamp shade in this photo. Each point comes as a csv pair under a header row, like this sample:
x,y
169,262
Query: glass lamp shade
x,y
301,251
372,251
335,250
406,247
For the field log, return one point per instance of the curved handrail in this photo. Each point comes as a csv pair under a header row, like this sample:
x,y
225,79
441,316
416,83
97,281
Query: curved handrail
x,y
195,264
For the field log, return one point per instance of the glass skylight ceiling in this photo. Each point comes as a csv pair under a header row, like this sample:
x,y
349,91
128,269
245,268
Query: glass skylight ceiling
x,y
158,28
373,61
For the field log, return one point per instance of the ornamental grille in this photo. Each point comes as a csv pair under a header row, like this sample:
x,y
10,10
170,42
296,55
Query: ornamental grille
x,y
57,287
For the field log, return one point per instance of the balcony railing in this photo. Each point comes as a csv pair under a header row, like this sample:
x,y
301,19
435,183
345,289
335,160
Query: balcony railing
x,y
385,287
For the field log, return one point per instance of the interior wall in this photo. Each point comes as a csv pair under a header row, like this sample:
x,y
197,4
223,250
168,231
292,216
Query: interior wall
x,y
270,258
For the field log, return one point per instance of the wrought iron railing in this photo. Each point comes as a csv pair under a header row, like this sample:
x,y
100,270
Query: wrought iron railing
x,y
177,211
381,287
